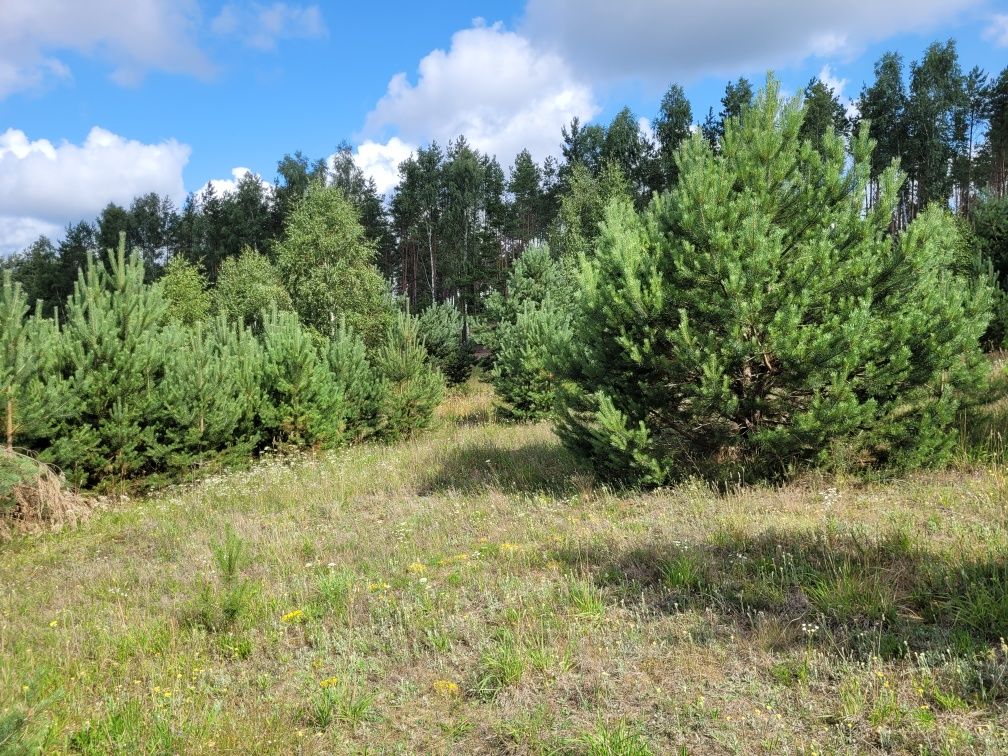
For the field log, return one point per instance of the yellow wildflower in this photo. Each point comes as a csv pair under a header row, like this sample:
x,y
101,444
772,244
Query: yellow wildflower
x,y
328,682
453,559
53,623
509,547
417,568
293,616
446,688
378,587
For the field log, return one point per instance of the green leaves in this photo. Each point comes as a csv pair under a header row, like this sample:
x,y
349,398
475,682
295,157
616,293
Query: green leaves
x,y
327,266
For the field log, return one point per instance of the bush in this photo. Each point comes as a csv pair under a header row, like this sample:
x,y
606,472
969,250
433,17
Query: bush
x,y
990,219
441,330
411,387
756,320
532,325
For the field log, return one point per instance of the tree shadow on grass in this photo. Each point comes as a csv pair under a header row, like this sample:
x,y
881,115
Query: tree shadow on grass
x,y
856,594
539,467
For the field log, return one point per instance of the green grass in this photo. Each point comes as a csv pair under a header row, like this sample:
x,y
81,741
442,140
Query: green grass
x,y
473,590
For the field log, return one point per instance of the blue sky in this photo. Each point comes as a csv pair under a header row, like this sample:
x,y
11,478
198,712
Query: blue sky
x,y
104,99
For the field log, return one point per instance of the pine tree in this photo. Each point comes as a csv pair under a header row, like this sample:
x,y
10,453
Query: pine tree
x,y
360,386
206,405
112,358
26,345
442,332
755,320
532,323
883,106
411,387
302,405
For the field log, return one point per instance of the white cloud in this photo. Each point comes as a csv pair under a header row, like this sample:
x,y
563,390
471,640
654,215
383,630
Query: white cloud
x,y
44,186
226,186
134,36
380,161
17,234
837,85
491,85
261,26
662,40
997,32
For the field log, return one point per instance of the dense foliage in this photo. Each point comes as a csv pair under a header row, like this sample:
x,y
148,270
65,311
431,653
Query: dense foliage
x,y
443,331
755,320
109,365
122,388
532,325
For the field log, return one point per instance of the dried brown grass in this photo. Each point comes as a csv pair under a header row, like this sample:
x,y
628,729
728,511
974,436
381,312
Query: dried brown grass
x,y
42,501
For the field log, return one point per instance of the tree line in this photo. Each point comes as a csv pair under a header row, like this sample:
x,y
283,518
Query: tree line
x,y
452,227
316,312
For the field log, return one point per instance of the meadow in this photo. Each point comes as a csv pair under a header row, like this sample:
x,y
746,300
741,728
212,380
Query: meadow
x,y
471,590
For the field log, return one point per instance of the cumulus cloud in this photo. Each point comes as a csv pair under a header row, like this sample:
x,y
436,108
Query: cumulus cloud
x,y
837,84
380,161
492,85
997,31
44,186
262,26
664,40
226,186
134,36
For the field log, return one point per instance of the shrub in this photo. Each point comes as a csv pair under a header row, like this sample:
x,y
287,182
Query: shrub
x,y
990,219
411,386
441,329
756,319
532,324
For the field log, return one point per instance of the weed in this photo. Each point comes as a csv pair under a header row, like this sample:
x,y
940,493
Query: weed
x,y
615,740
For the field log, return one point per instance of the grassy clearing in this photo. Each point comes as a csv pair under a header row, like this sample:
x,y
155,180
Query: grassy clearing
x,y
473,591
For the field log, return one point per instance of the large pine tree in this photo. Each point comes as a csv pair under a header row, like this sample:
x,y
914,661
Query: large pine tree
x,y
756,320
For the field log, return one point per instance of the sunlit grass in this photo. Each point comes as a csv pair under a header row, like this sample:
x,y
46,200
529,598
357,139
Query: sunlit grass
x,y
472,590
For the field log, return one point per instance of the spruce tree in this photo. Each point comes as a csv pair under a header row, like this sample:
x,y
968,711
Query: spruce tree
x,y
756,320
